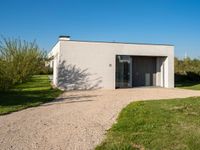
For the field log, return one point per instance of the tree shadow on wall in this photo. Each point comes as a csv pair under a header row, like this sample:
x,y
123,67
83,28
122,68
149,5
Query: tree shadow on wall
x,y
70,77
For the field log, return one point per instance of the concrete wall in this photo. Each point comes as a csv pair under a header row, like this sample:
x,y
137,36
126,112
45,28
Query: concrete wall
x,y
96,61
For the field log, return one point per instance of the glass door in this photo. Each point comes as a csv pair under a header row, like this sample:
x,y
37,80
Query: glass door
x,y
123,71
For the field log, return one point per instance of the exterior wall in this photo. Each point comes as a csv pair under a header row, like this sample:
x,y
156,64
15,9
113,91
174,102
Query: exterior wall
x,y
55,53
97,60
158,71
160,75
170,71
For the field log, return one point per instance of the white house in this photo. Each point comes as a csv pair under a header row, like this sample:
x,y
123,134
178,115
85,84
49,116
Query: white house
x,y
111,65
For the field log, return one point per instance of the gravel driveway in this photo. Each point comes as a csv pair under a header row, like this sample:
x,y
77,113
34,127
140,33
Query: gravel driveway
x,y
76,120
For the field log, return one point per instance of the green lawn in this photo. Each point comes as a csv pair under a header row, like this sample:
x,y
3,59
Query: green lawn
x,y
189,85
156,125
33,93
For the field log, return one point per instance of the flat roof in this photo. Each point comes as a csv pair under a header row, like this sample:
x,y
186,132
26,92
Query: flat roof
x,y
114,43
120,42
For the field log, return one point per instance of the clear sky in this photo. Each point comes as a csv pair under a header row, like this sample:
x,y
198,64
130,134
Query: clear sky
x,y
141,21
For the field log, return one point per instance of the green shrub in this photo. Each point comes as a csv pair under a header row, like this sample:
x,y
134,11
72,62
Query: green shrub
x,y
46,71
187,69
19,60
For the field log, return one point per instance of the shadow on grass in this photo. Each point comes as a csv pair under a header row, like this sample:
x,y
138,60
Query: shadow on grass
x,y
12,98
187,84
15,101
30,94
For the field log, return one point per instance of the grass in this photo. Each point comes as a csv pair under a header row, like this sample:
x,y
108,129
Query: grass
x,y
32,93
162,125
189,85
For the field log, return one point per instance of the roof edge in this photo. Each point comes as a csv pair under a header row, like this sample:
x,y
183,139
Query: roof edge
x,y
120,42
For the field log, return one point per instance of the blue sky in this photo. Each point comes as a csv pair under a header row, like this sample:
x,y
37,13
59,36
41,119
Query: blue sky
x,y
142,21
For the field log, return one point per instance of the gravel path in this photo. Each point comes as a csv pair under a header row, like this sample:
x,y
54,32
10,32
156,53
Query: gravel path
x,y
76,120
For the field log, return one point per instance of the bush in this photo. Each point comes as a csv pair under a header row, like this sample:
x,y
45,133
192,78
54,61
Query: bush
x,y
180,77
46,71
192,76
19,60
187,70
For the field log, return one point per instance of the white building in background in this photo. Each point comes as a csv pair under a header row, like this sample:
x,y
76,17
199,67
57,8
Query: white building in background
x,y
111,65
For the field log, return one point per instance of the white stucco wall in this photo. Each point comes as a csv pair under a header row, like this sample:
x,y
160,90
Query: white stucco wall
x,y
55,54
99,59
